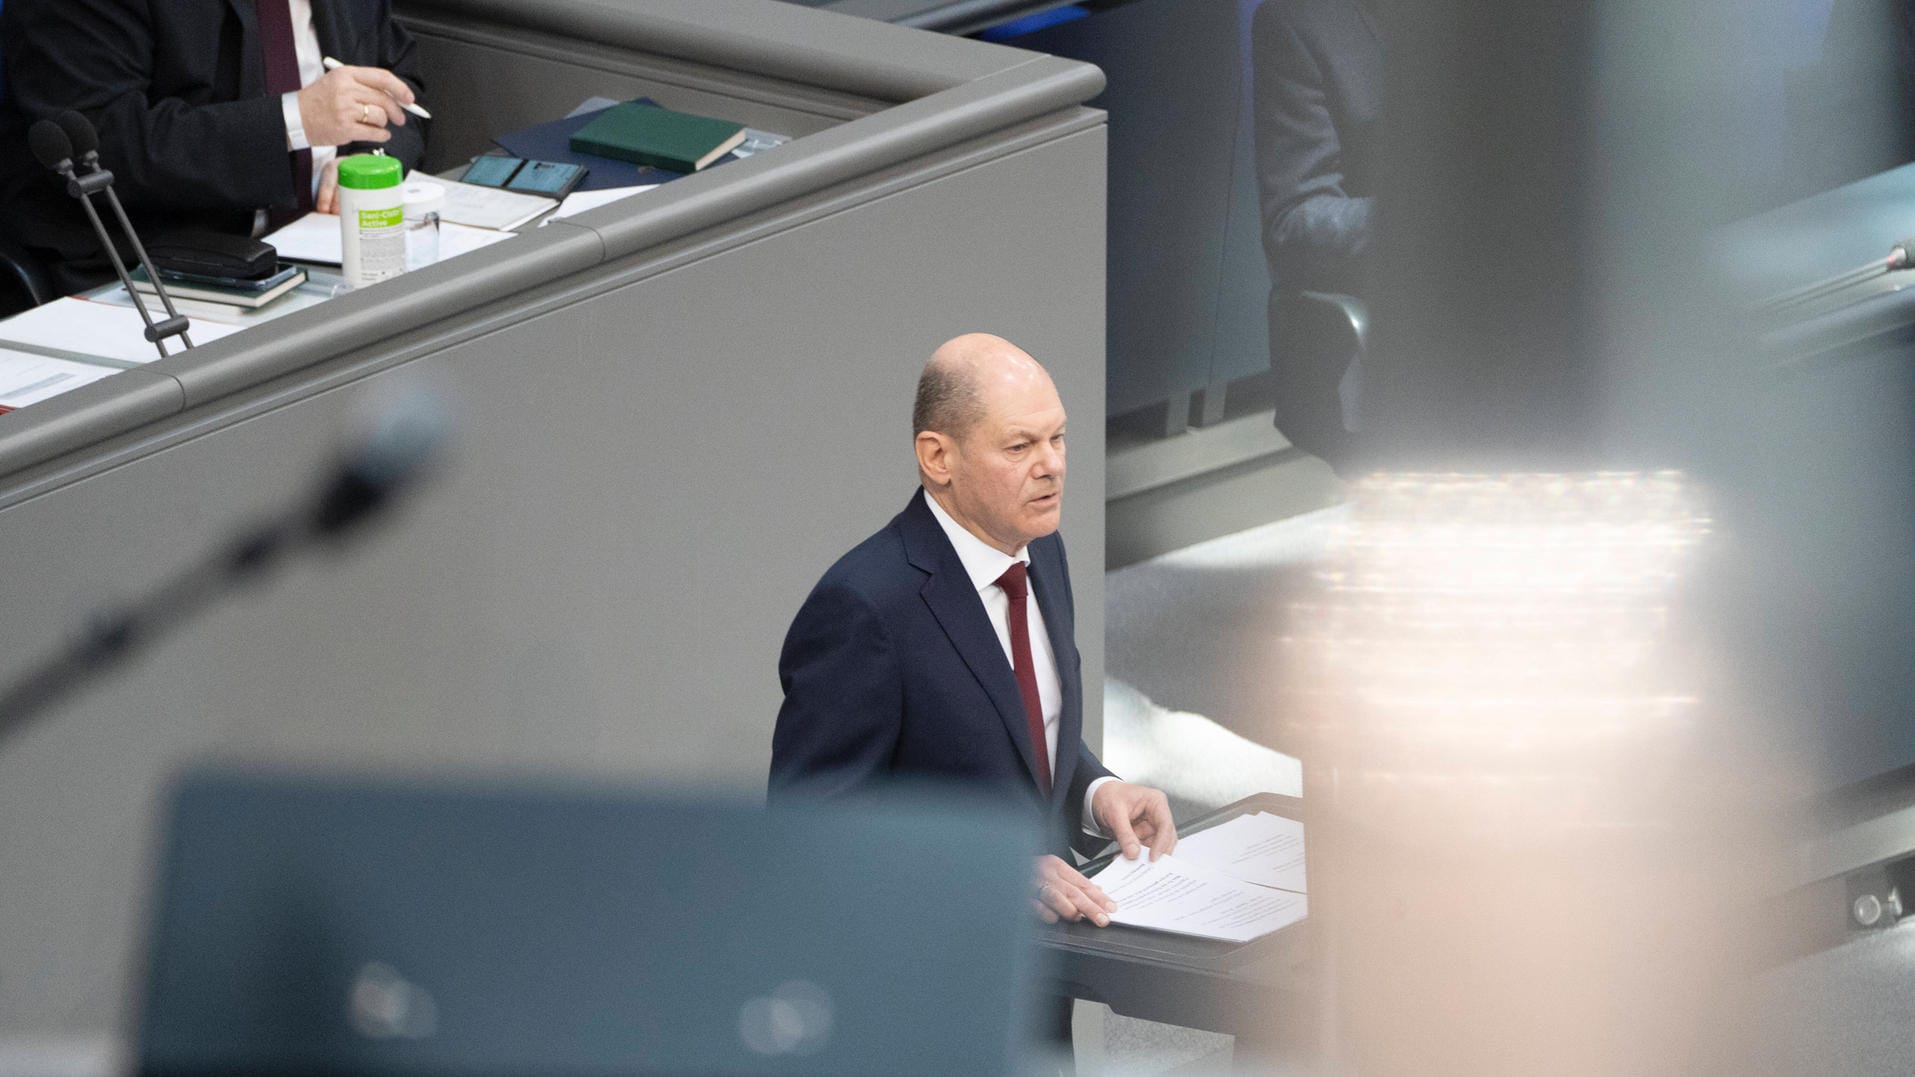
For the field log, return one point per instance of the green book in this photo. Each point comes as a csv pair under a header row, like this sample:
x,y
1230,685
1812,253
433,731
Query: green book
x,y
649,135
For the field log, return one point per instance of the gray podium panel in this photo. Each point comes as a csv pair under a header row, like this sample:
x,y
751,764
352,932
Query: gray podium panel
x,y
667,422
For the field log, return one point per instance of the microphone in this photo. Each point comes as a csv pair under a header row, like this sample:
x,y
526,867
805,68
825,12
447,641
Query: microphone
x,y
1900,257
51,146
85,140
403,447
55,144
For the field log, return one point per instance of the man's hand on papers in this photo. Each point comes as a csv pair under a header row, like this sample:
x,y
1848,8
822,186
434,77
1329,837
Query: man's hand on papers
x,y
1063,893
1136,816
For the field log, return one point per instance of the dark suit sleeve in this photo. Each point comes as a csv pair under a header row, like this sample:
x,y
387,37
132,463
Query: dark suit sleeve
x,y
1089,769
395,51
97,56
1314,232
844,698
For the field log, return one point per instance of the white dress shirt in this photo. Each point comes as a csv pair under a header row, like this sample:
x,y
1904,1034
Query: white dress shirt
x,y
312,67
984,563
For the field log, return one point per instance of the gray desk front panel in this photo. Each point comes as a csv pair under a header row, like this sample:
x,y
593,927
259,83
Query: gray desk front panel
x,y
654,458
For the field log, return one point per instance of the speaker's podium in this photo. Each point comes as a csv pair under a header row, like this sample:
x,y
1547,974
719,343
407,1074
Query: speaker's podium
x,y
1263,991
668,415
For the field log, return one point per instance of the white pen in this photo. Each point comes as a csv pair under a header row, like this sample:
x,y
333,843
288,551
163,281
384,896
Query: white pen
x,y
334,65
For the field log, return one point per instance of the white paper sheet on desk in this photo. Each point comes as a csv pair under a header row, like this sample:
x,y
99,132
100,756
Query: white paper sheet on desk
x,y
312,238
315,238
457,239
580,201
1190,899
490,207
84,327
1258,848
26,378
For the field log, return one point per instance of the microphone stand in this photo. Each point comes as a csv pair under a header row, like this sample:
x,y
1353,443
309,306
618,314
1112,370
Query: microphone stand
x,y
400,451
101,180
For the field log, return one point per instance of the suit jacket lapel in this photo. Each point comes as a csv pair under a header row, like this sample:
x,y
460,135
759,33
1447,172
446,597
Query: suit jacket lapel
x,y
960,613
336,40
1059,626
252,60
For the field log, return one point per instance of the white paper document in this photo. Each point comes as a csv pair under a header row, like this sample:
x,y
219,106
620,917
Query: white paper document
x,y
312,238
490,207
28,379
1192,899
1259,848
580,201
315,238
87,328
457,239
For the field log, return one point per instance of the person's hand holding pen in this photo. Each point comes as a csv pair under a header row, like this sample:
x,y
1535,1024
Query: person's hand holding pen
x,y
354,104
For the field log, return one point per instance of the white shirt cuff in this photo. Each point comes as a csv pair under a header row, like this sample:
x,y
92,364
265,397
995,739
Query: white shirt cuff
x,y
295,127
1091,826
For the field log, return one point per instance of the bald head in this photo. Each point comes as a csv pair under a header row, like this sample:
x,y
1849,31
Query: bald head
x,y
990,440
952,388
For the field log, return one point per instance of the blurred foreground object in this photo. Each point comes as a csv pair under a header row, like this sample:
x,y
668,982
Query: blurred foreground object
x,y
1499,717
340,925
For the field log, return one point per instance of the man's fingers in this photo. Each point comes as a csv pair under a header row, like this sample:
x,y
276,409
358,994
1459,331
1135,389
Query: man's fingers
x,y
1044,911
1165,839
1120,829
378,78
366,114
1068,876
1073,903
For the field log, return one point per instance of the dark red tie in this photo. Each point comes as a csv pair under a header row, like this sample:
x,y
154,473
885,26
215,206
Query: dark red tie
x,y
1014,585
282,77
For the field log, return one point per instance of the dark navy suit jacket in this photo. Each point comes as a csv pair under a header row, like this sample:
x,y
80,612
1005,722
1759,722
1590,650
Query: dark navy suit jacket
x,y
892,670
177,89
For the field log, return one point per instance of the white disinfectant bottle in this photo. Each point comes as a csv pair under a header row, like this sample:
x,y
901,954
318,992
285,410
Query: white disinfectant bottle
x,y
372,227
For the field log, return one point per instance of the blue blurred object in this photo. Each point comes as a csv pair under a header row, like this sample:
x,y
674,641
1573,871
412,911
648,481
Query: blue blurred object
x,y
307,925
1032,23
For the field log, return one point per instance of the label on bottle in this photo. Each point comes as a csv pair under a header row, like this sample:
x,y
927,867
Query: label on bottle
x,y
382,243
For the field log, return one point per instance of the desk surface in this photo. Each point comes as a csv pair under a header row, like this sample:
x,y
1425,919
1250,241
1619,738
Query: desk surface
x,y
1199,983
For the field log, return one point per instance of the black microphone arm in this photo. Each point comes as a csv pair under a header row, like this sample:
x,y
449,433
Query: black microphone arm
x,y
402,449
57,142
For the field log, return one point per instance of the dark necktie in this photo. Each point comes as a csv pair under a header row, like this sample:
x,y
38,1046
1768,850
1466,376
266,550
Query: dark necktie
x,y
282,77
1014,585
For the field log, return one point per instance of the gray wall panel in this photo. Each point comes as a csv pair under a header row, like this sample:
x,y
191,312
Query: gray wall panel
x,y
646,480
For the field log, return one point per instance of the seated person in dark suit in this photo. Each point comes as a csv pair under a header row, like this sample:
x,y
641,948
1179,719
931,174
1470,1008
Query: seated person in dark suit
x,y
212,114
1318,73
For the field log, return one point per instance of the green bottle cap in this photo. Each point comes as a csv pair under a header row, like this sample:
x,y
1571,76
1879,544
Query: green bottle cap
x,y
371,171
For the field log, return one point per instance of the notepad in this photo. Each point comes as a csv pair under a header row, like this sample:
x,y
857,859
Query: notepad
x,y
650,135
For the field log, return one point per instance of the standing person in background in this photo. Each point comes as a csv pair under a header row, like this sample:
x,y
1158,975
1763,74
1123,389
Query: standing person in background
x,y
213,114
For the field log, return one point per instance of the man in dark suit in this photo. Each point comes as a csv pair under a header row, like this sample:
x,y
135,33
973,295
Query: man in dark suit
x,y
210,112
943,646
1318,74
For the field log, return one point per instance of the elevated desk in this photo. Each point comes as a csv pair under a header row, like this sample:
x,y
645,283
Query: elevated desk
x,y
1261,991
669,416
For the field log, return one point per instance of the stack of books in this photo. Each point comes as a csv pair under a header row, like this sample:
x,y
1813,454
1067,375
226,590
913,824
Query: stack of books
x,y
232,291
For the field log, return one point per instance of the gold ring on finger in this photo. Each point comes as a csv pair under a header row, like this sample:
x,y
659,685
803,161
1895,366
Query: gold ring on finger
x,y
364,111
